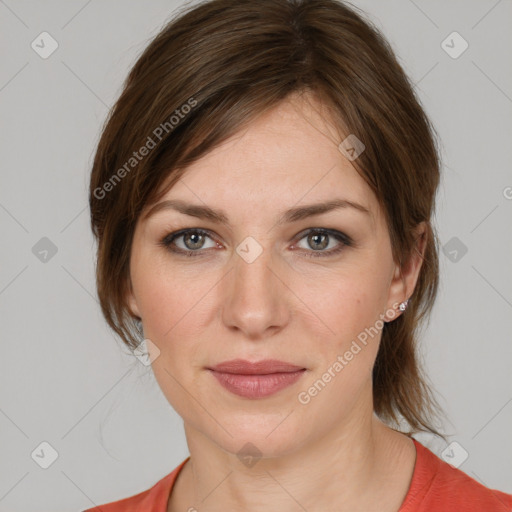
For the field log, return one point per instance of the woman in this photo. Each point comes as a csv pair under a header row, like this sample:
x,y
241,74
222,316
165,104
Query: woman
x,y
262,197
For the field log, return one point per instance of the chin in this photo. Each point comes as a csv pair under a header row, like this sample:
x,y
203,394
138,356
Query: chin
x,y
259,446
267,435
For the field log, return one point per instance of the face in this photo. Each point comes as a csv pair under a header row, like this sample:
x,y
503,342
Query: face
x,y
263,280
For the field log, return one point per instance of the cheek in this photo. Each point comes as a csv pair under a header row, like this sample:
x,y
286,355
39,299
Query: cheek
x,y
345,303
176,307
172,303
344,357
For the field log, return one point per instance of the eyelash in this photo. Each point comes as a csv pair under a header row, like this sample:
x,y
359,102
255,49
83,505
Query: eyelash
x,y
345,240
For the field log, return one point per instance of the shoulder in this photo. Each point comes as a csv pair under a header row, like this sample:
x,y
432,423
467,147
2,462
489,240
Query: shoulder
x,y
154,499
440,487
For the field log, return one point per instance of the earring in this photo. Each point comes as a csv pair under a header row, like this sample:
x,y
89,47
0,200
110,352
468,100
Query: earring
x,y
403,305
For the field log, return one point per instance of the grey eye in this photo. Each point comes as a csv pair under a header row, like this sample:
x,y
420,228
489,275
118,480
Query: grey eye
x,y
318,241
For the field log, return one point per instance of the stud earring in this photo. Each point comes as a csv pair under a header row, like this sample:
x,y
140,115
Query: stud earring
x,y
403,305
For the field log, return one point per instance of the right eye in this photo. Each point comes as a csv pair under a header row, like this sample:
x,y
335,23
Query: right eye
x,y
188,242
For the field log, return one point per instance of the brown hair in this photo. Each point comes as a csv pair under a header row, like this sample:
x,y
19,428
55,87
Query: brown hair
x,y
213,69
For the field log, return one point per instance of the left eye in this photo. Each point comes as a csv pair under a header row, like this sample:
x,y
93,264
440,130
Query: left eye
x,y
320,239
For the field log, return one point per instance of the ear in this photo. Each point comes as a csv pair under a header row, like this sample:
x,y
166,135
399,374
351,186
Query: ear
x,y
405,277
131,301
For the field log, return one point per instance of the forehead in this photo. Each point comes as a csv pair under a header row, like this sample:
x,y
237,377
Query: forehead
x,y
286,157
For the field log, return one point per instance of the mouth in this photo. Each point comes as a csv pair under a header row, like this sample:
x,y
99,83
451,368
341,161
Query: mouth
x,y
256,380
263,367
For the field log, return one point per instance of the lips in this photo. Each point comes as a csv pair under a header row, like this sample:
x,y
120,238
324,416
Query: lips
x,y
264,367
256,380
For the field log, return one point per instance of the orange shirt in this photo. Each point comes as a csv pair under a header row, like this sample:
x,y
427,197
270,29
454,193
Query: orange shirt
x,y
436,486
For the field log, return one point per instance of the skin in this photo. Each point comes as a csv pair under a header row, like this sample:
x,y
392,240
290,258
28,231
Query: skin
x,y
332,453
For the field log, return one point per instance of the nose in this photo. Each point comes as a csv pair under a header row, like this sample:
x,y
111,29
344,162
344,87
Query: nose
x,y
256,298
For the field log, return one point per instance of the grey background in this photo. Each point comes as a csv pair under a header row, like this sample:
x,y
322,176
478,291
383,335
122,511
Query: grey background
x,y
67,381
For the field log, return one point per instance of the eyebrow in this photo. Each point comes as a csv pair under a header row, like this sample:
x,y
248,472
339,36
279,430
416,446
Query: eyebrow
x,y
291,215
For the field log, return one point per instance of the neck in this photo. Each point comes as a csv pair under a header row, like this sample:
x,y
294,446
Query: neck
x,y
358,467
